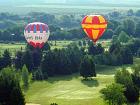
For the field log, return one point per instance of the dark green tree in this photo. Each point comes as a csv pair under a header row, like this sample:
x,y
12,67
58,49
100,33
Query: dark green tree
x,y
27,59
118,30
137,32
138,13
10,91
114,94
136,75
18,60
130,12
6,59
37,57
129,26
108,34
87,67
123,37
25,77
124,77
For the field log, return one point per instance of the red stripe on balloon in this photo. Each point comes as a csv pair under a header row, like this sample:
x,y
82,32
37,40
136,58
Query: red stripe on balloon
x,y
101,32
43,27
37,27
84,20
95,20
89,33
32,27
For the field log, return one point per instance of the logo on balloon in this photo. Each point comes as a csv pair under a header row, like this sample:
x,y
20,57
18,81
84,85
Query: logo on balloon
x,y
94,26
37,34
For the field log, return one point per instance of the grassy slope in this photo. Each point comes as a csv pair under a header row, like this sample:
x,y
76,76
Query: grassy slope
x,y
72,90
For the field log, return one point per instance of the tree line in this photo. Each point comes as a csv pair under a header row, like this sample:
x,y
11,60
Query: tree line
x,y
68,26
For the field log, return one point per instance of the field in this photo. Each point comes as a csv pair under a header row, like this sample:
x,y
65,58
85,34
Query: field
x,y
72,89
14,47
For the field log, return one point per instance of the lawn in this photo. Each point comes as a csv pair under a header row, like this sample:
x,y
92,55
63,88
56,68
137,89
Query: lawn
x,y
72,89
68,90
14,47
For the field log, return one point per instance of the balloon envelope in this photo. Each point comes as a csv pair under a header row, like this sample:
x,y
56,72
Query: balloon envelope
x,y
36,34
94,26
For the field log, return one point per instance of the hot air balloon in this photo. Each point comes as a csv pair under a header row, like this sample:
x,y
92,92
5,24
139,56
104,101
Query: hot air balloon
x,y
94,26
36,34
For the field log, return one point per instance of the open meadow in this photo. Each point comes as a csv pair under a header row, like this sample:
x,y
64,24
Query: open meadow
x,y
72,89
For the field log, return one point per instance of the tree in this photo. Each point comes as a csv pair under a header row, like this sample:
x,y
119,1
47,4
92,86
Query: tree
x,y
138,52
137,32
18,60
25,77
114,46
37,57
95,49
46,47
10,91
138,13
115,14
126,54
84,43
118,30
130,12
80,43
87,67
136,75
123,37
6,59
108,34
114,39
113,94
124,77
129,26
27,59
134,46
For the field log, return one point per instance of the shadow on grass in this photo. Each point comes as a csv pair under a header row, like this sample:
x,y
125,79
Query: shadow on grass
x,y
90,82
62,78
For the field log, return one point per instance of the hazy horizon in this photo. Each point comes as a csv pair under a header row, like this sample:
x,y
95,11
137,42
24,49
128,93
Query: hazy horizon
x,y
69,1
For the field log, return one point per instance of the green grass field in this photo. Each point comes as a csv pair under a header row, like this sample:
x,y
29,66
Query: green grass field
x,y
14,47
72,89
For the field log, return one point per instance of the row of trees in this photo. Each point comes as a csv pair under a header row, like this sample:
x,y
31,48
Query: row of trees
x,y
47,62
125,89
67,26
117,54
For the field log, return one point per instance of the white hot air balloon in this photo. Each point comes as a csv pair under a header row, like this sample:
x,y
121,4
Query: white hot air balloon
x,y
37,34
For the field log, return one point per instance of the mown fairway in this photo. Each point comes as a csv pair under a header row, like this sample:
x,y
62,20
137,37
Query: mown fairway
x,y
72,90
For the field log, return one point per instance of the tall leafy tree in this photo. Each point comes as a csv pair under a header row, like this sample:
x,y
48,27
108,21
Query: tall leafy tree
x,y
10,91
129,26
37,57
27,59
113,94
137,32
6,59
132,92
123,37
25,77
87,67
18,60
